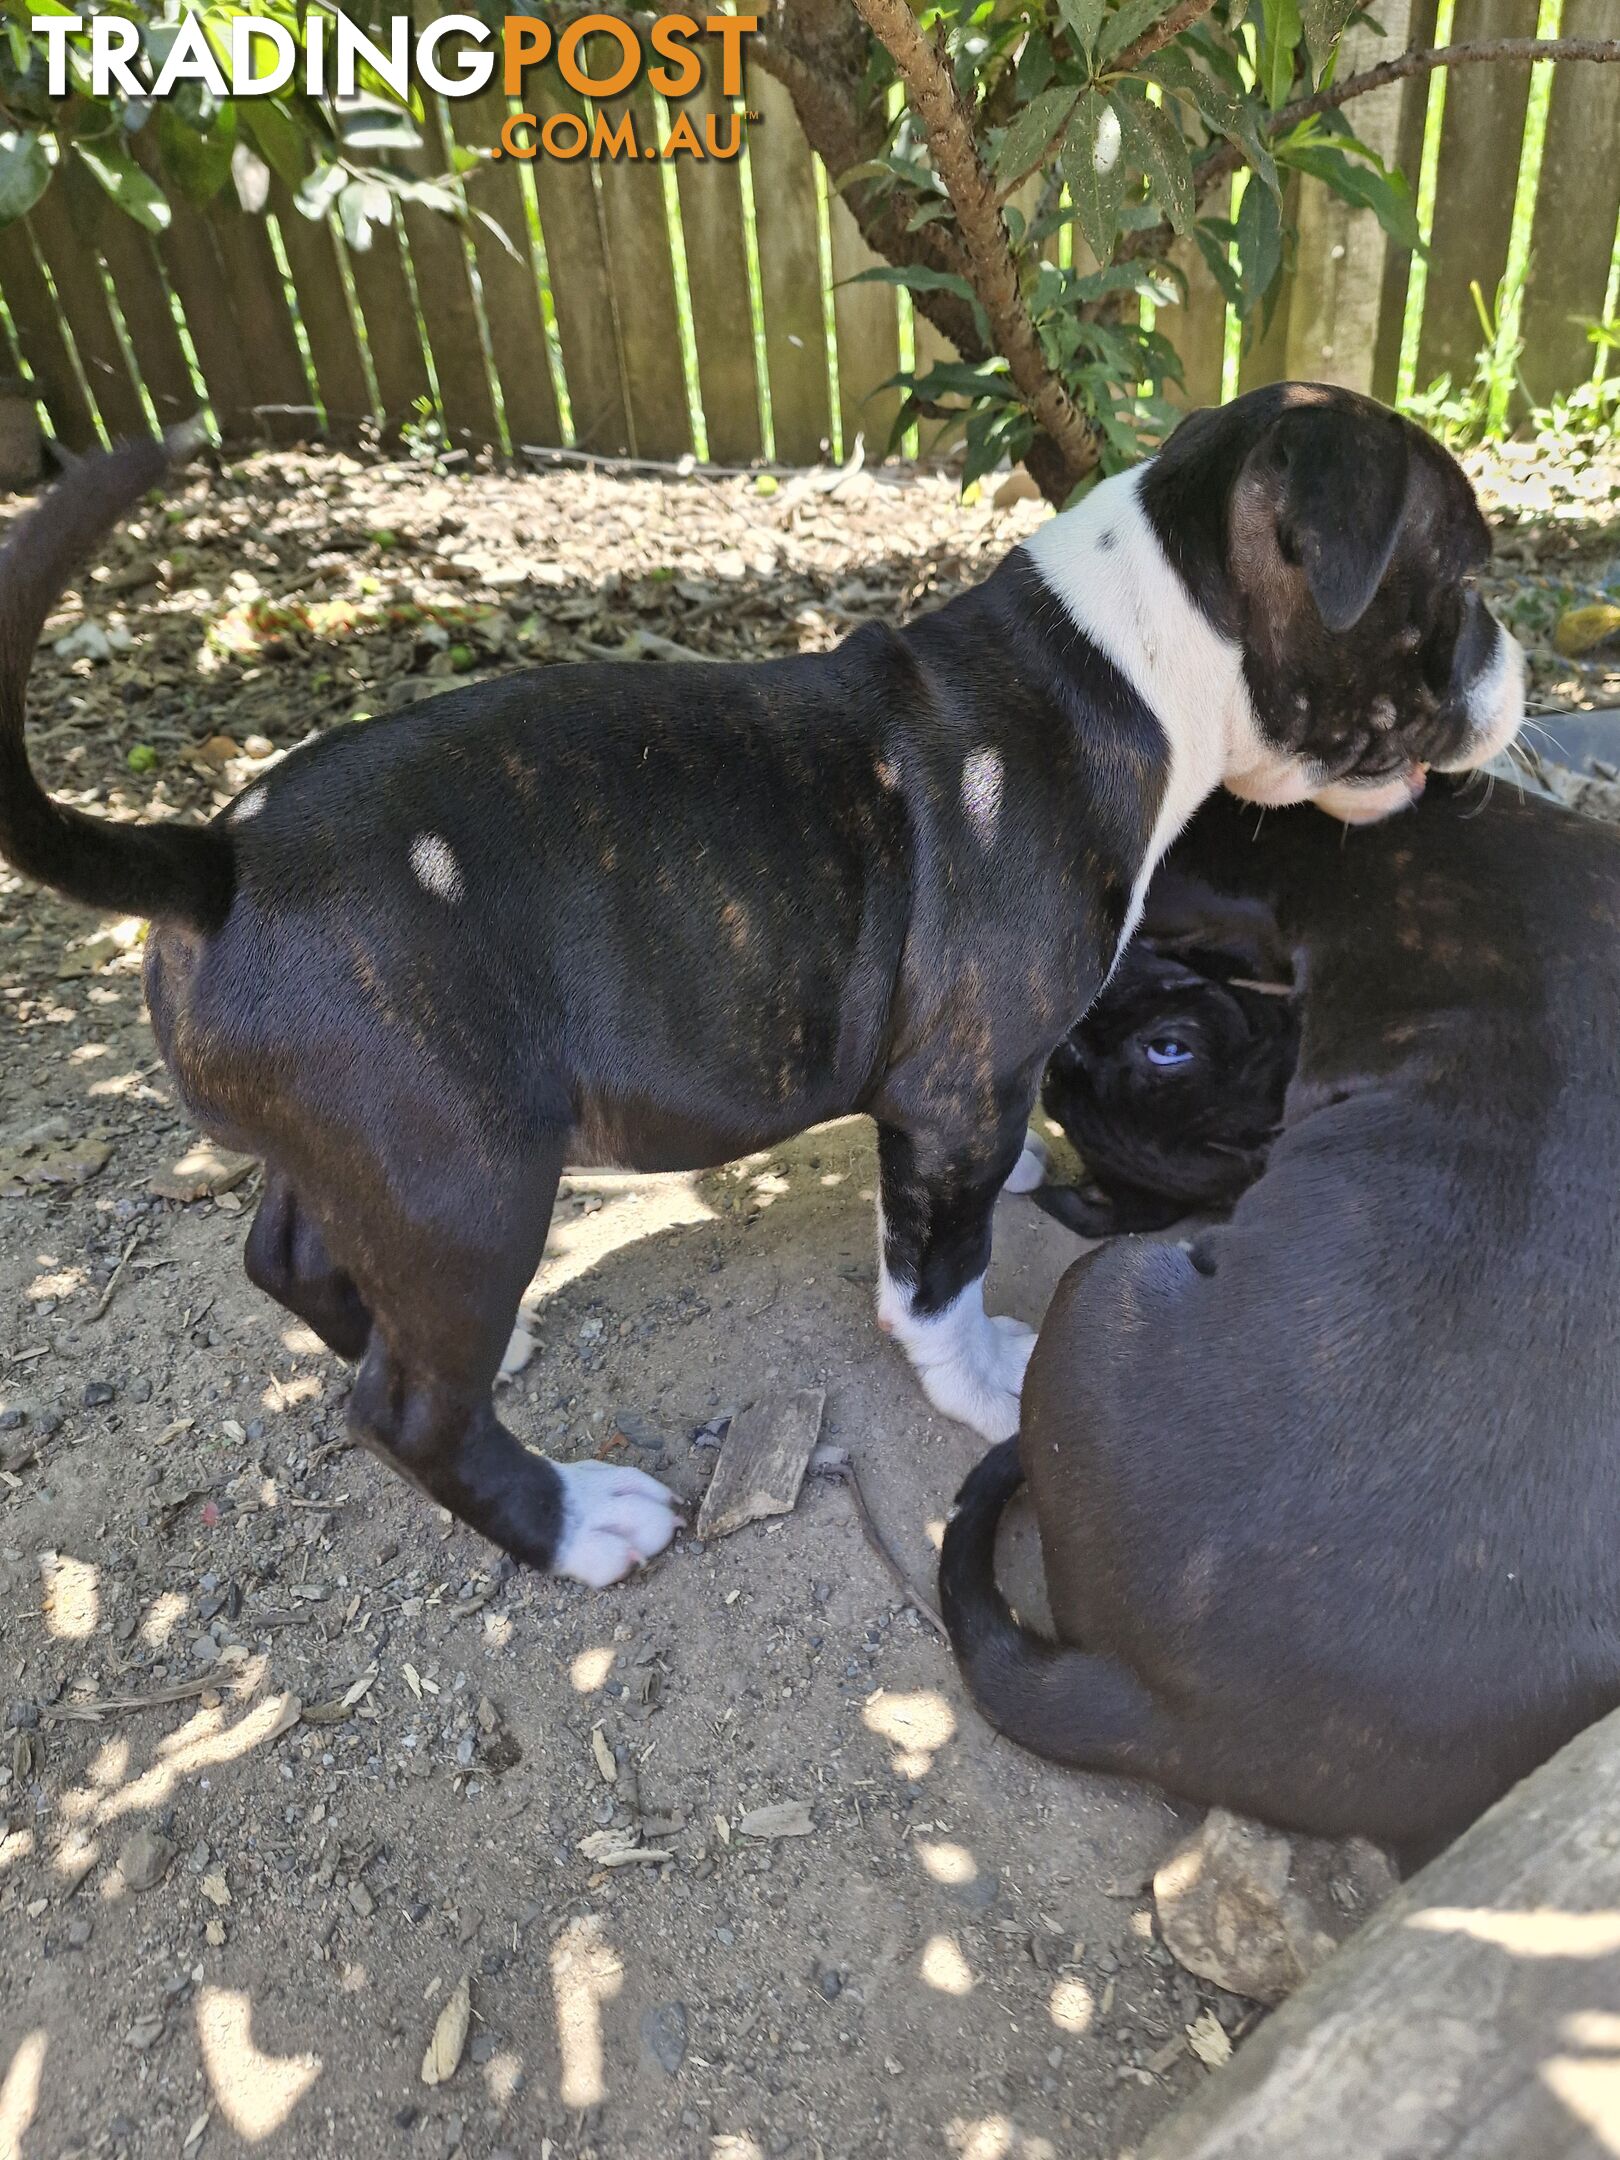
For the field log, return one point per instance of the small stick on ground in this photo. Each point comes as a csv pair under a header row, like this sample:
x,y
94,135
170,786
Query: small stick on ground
x,y
128,1705
117,1275
846,1474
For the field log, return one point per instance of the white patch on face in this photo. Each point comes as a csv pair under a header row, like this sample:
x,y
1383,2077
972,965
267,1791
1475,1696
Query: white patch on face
x,y
971,1366
1353,804
1030,1168
614,1518
1103,561
981,792
1495,704
249,805
436,868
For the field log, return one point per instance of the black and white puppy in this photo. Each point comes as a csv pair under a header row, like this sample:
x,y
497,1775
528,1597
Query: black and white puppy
x,y
1171,1087
1327,1497
661,916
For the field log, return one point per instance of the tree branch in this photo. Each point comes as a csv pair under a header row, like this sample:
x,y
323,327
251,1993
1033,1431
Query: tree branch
x,y
1181,17
990,267
820,60
1505,52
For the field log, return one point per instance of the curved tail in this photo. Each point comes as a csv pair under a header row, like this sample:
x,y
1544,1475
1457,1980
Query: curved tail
x,y
1065,1704
183,872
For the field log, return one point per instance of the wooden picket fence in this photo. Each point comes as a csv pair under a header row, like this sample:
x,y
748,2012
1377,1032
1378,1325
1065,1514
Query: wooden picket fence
x,y
722,322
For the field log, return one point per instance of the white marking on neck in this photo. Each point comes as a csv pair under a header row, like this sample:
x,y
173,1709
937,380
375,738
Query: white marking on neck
x,y
1103,561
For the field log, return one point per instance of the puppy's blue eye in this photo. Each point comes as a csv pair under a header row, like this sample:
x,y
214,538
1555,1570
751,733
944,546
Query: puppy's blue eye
x,y
1167,1050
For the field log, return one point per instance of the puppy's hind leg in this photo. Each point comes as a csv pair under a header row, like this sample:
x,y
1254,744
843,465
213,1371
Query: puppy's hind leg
x,y
286,1257
443,1277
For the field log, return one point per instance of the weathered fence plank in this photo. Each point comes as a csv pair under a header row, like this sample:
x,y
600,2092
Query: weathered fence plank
x,y
1474,2014
649,320
1196,326
1336,292
789,272
393,341
1264,357
190,259
868,324
1577,205
323,305
1414,107
283,411
42,340
144,301
465,306
581,284
1480,140
929,347
445,294
512,311
75,269
717,276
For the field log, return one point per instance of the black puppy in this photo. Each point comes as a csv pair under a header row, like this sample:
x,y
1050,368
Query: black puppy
x,y
1327,1501
660,916
1170,1088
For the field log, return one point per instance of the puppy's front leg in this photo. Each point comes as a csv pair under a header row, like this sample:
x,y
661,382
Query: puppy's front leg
x,y
936,1199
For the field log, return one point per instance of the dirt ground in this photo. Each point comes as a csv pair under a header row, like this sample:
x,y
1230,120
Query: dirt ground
x,y
288,1757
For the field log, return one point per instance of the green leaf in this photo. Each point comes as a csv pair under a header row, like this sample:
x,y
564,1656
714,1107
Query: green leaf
x,y
1031,134
1160,282
138,196
1282,35
1094,166
1126,25
320,190
1213,247
1259,239
918,277
198,162
1322,21
1171,67
1237,118
1036,66
1368,186
25,173
376,126
1160,148
363,204
1082,19
252,177
955,378
280,139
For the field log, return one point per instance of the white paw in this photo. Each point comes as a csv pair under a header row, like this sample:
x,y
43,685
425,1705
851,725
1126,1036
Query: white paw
x,y
518,1352
1030,1168
971,1366
981,1384
614,1518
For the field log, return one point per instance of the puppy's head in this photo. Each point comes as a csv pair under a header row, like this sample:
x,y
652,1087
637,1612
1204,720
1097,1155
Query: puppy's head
x,y
1173,1082
1338,545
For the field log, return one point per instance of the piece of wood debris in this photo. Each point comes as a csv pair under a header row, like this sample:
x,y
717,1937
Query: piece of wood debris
x,y
203,1173
618,1848
762,1463
1207,2037
93,1711
603,1752
785,1818
449,2036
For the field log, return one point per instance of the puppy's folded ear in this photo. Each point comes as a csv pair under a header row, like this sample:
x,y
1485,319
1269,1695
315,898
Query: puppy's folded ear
x,y
1339,480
